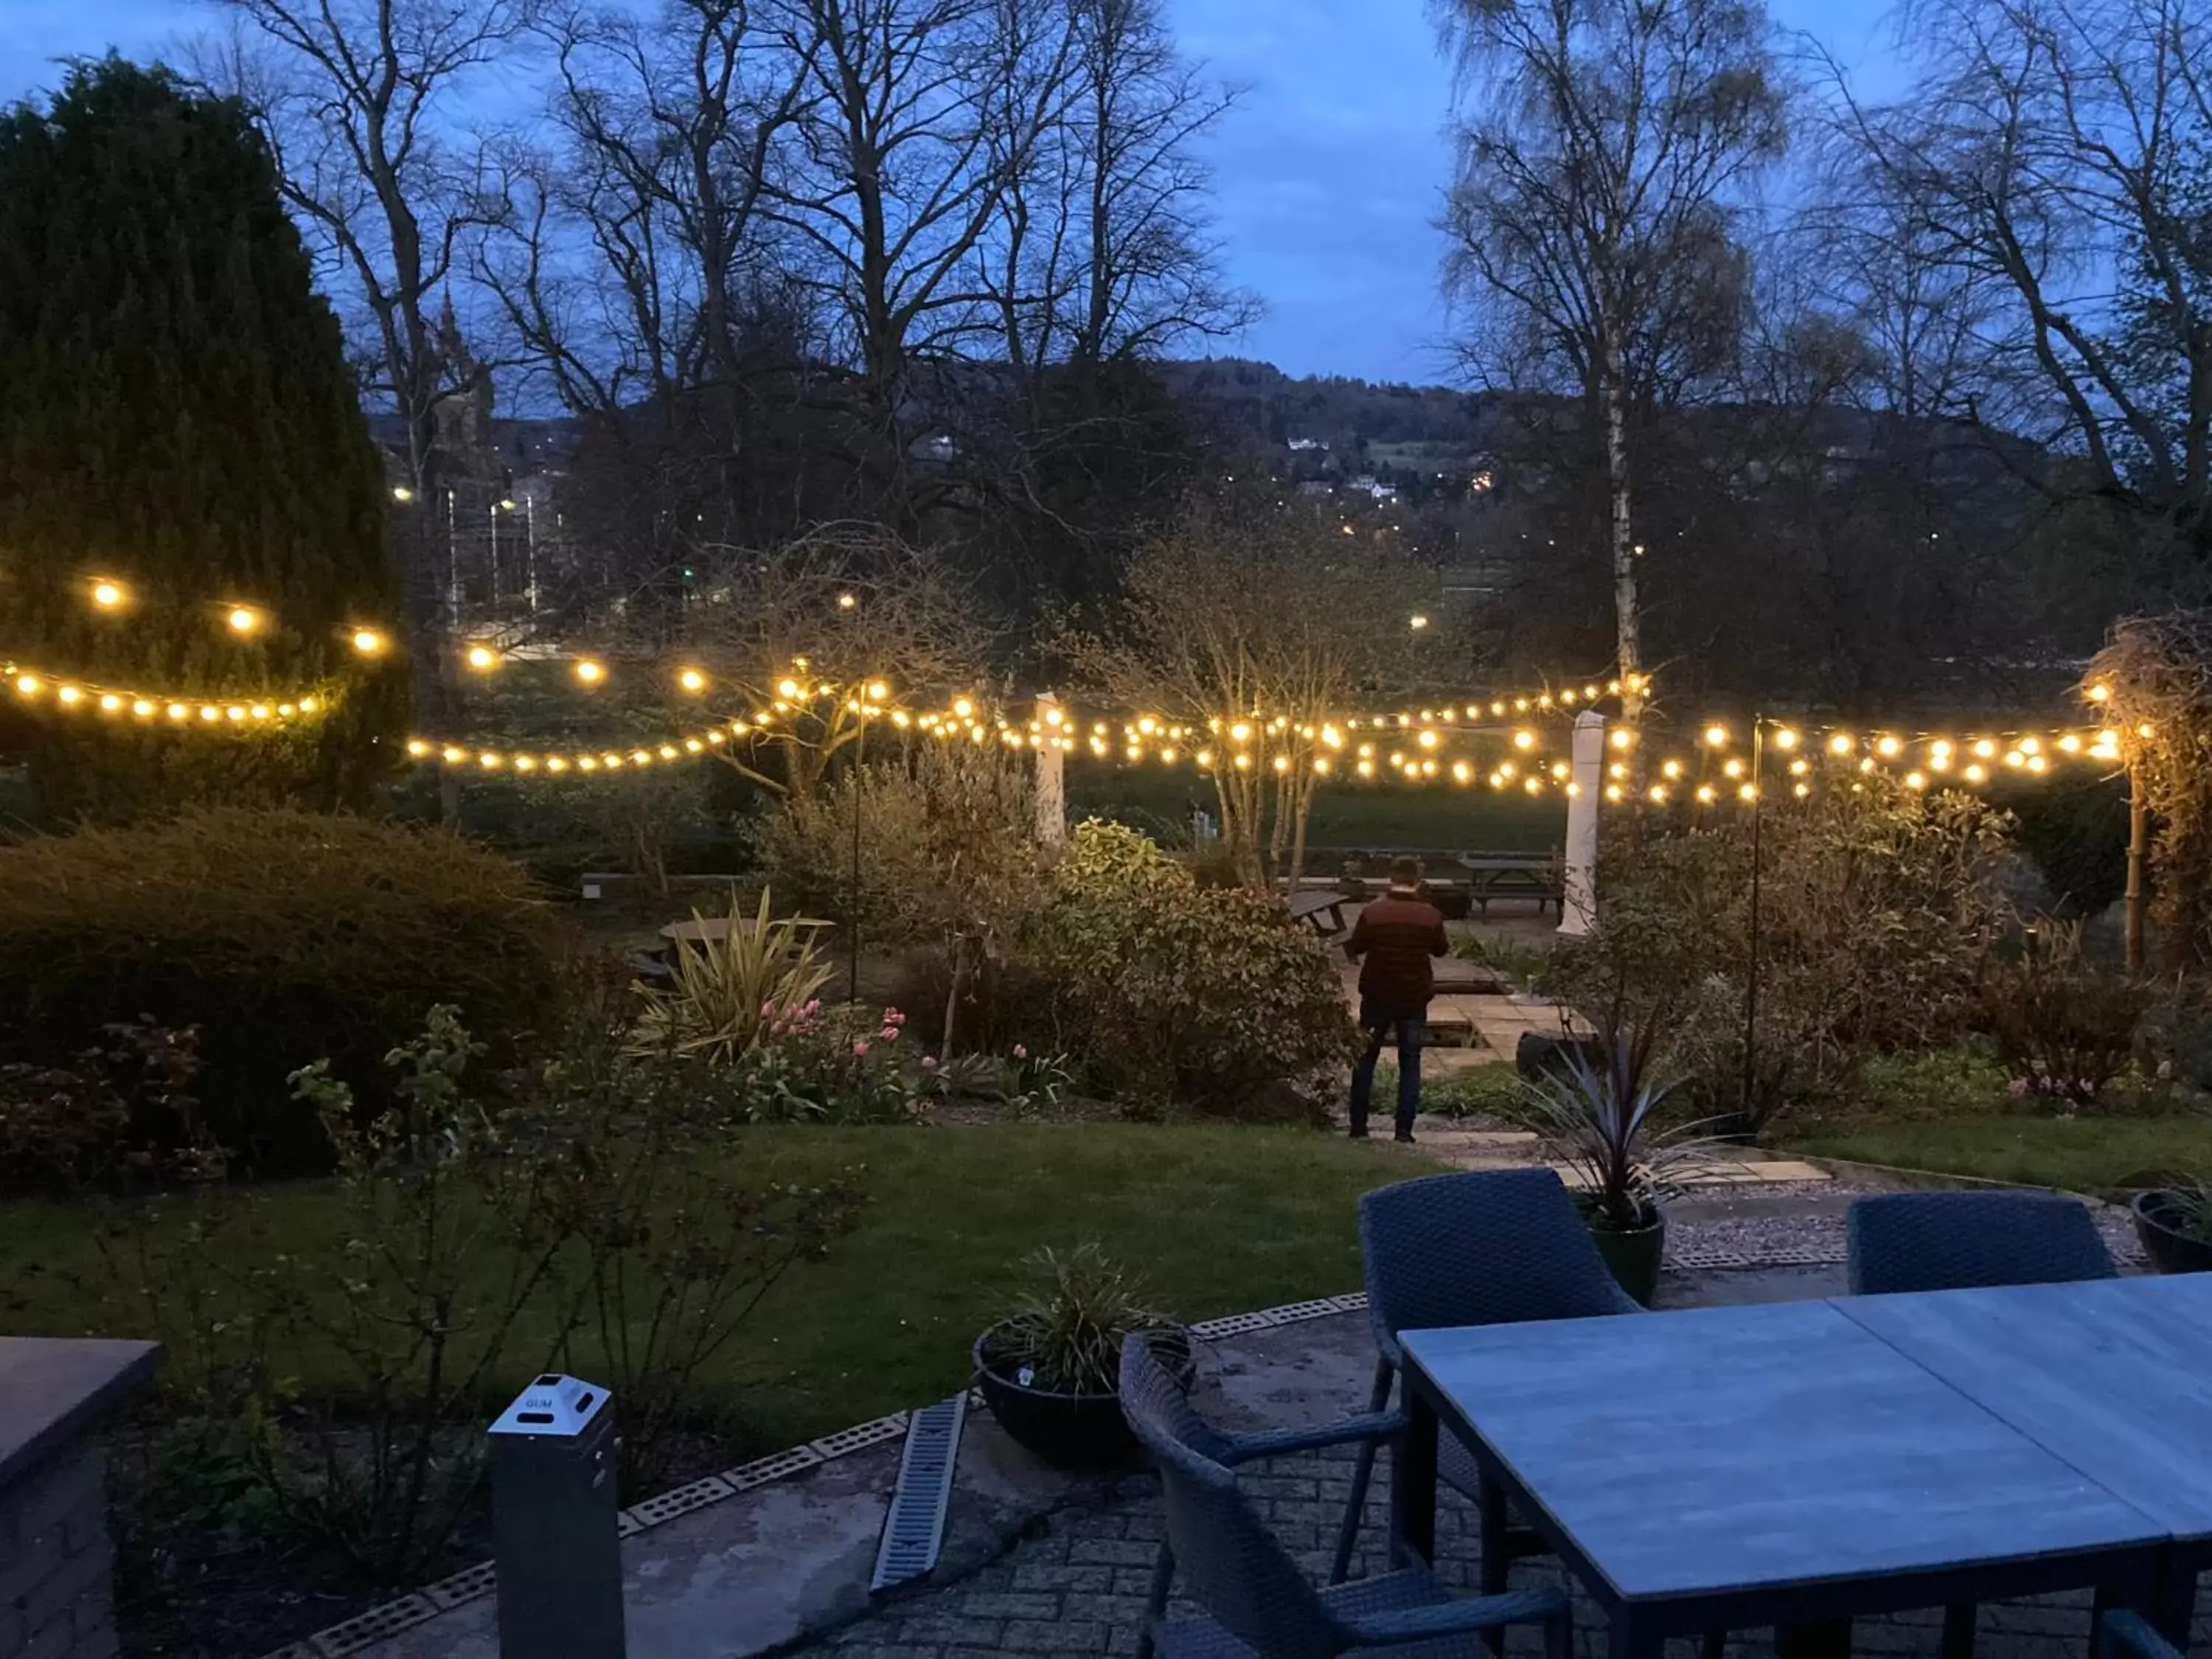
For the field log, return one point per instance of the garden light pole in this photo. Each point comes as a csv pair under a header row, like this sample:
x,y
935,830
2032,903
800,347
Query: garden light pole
x,y
853,903
1750,976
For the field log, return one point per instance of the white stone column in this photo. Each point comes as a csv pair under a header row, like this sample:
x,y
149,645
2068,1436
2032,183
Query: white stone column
x,y
1578,906
1053,734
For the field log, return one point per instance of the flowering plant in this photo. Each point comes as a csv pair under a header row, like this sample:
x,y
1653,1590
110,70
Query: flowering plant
x,y
838,1065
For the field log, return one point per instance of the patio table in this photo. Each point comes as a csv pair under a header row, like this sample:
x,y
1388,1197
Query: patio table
x,y
2112,1375
1731,1467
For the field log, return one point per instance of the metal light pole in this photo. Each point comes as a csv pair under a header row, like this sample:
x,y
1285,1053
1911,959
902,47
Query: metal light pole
x,y
1751,975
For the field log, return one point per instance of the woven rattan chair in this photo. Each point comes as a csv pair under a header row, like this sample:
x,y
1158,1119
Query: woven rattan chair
x,y
2123,1635
1258,1601
1966,1241
1492,1247
1157,1407
1904,1241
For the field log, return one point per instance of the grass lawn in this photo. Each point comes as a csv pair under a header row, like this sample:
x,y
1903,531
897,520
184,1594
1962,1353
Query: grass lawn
x,y
1160,799
1216,1219
2080,1154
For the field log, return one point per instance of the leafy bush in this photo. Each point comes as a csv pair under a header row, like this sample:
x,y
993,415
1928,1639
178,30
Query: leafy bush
x,y
1942,1083
1489,1091
723,994
570,1212
2174,1039
123,1113
1879,908
2063,1029
1206,994
284,937
1012,998
946,854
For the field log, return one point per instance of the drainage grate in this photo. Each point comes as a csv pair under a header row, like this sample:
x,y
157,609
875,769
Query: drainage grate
x,y
462,1587
761,1470
1355,1303
866,1434
1291,1312
371,1627
684,1499
913,1531
1233,1325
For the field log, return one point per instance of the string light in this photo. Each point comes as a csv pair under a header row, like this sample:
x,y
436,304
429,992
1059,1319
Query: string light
x,y
483,659
368,641
108,594
692,681
589,670
244,619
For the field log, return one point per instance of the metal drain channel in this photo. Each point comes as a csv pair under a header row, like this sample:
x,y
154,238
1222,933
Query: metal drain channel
x,y
913,1531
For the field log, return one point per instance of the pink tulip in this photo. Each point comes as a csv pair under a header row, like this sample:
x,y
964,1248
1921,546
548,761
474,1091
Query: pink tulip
x,y
1020,1052
859,1048
890,1034
929,1062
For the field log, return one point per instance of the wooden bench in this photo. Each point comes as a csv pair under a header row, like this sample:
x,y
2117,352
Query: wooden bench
x,y
1508,877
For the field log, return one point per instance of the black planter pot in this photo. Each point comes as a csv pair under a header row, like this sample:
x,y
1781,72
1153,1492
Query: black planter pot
x,y
1072,1431
1634,1256
2170,1249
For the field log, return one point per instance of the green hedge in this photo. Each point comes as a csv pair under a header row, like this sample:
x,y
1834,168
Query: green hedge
x,y
286,937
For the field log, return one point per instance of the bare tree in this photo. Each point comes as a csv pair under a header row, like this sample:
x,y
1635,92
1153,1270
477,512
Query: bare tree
x,y
1249,629
1603,144
2053,159
361,101
811,645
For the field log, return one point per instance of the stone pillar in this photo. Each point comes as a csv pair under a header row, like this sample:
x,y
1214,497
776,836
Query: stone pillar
x,y
1578,892
1052,734
57,1566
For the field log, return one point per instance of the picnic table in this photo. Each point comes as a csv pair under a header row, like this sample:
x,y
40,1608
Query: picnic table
x,y
1320,910
1797,1464
1513,875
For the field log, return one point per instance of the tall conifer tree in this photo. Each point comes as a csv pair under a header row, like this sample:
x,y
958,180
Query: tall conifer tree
x,y
177,417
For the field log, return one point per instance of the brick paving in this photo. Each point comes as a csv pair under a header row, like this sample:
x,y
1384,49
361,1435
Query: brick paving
x,y
1078,1588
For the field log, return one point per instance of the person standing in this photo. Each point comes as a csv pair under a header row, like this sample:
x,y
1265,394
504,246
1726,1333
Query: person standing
x,y
1392,942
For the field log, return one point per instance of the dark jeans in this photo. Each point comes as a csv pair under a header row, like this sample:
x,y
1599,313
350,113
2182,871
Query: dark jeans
x,y
1381,1027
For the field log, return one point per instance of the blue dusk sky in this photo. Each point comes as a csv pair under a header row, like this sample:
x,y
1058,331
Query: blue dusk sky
x,y
1328,175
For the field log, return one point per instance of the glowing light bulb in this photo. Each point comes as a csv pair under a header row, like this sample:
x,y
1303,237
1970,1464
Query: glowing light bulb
x,y
107,594
142,709
846,601
1916,780
368,641
1524,739
1622,738
243,619
589,672
1785,738
1887,747
401,493
1839,744
483,659
692,681
1717,735
417,748
69,695
2101,693
1747,792
962,708
878,692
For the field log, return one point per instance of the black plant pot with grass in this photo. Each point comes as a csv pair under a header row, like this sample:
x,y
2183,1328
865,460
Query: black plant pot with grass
x,y
1634,1253
2172,1245
1070,1430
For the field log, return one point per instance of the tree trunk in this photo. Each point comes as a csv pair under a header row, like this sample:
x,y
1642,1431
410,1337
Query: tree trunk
x,y
952,999
1630,649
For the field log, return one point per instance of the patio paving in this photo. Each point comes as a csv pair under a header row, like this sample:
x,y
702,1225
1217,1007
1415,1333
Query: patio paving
x,y
1042,1564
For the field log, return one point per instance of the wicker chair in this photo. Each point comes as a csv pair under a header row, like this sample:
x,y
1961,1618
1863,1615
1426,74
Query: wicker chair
x,y
2123,1635
1493,1246
1964,1241
1259,1603
1157,1408
1903,1242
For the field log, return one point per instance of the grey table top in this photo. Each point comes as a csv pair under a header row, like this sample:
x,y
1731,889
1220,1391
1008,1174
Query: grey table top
x,y
2114,1377
1718,1449
51,1389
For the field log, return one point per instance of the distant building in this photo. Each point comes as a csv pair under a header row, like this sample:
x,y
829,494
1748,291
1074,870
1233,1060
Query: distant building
x,y
1308,443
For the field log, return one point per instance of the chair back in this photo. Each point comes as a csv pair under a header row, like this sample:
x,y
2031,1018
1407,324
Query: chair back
x,y
1232,1567
1158,1411
1962,1241
1490,1246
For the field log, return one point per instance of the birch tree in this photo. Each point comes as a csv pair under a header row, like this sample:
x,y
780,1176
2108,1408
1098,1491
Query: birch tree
x,y
1605,147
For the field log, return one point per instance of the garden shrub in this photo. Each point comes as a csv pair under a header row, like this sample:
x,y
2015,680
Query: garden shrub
x,y
2063,1029
284,937
1208,993
1879,908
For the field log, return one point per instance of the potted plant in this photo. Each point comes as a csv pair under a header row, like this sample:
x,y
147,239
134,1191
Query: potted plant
x,y
2175,1225
1594,1112
1050,1370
